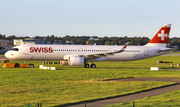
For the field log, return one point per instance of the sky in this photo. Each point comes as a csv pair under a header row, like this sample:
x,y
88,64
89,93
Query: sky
x,y
119,18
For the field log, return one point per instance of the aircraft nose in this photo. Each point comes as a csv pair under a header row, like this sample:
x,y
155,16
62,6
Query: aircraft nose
x,y
8,54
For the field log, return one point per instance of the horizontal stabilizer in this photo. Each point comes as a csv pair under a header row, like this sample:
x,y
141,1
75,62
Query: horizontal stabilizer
x,y
166,50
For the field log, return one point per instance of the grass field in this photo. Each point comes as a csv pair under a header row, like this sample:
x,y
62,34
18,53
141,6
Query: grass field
x,y
177,52
19,86
2,55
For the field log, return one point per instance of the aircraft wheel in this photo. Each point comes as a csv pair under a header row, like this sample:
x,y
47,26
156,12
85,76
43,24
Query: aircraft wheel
x,y
93,66
17,65
86,66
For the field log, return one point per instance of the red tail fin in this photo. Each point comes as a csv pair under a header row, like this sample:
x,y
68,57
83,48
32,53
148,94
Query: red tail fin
x,y
162,35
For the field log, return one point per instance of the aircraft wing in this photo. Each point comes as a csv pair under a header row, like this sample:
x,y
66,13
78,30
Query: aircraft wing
x,y
166,50
98,55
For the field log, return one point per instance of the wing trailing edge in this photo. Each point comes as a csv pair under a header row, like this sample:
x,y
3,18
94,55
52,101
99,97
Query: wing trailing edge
x,y
98,55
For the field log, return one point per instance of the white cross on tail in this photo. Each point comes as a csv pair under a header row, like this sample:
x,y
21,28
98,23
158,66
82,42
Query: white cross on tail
x,y
162,35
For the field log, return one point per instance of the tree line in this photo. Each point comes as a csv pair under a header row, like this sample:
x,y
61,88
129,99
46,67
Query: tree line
x,y
82,40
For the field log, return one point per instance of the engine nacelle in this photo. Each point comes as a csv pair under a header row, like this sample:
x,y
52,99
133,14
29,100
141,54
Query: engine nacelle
x,y
64,63
74,60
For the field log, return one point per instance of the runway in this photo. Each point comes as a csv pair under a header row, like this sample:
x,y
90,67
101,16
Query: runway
x,y
135,96
3,58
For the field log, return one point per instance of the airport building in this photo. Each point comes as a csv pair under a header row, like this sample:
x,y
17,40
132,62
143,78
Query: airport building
x,y
6,42
33,41
24,41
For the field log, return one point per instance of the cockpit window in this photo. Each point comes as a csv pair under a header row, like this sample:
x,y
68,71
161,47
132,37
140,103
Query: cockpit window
x,y
15,49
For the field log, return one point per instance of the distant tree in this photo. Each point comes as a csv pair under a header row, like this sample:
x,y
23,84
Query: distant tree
x,y
107,43
11,37
91,42
38,37
121,42
102,40
1,36
113,42
26,37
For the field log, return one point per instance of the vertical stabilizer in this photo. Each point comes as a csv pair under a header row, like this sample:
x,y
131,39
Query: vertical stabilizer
x,y
161,37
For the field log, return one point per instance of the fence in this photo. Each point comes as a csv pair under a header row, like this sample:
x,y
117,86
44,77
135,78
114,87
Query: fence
x,y
134,104
30,105
111,104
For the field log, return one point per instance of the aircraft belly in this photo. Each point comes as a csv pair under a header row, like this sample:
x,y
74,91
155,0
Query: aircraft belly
x,y
126,57
120,57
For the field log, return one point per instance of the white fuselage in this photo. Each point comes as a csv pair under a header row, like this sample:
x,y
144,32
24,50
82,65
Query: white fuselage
x,y
57,52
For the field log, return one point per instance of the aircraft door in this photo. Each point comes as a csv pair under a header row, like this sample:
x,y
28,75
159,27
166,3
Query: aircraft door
x,y
146,53
110,50
25,50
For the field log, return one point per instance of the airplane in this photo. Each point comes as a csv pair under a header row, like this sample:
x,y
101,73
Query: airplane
x,y
79,55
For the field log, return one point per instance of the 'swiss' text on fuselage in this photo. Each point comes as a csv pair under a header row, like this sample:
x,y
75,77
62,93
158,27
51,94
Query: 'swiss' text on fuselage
x,y
41,49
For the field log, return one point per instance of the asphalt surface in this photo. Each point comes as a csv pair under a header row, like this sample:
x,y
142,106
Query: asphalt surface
x,y
3,58
135,96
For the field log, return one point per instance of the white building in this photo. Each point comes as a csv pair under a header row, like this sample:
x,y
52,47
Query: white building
x,y
24,41
33,41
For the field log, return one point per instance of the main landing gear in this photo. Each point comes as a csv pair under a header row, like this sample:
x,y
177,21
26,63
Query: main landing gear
x,y
87,65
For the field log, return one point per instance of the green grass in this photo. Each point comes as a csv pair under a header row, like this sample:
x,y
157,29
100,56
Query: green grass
x,y
177,52
19,86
